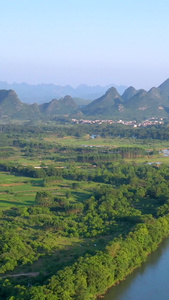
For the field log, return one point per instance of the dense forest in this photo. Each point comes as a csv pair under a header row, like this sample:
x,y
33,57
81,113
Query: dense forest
x,y
78,217
79,130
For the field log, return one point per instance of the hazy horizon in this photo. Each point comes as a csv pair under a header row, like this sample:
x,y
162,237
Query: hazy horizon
x,y
91,42
62,85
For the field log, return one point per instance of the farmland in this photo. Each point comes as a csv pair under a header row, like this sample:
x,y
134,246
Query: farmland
x,y
65,197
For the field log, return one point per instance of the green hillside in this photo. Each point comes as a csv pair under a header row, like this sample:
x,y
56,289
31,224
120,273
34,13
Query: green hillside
x,y
64,106
12,108
132,105
107,105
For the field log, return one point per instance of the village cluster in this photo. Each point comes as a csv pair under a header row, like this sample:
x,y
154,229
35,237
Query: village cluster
x,y
148,122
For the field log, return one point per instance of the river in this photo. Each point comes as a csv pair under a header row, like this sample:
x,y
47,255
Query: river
x,y
149,282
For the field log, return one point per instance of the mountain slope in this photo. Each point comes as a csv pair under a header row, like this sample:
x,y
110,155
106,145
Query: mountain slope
x,y
144,105
132,105
164,89
12,108
106,105
9,103
64,106
129,93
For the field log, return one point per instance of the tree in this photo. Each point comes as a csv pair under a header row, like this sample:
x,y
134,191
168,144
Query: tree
x,y
68,194
44,198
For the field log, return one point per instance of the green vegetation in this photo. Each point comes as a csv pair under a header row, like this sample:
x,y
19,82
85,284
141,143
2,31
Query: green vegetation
x,y
78,214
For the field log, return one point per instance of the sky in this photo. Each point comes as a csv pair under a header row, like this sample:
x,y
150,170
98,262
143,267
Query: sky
x,y
93,42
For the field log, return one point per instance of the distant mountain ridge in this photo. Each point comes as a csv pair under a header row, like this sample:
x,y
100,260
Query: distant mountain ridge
x,y
42,93
131,105
12,108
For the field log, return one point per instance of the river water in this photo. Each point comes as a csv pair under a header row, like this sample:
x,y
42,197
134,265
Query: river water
x,y
149,282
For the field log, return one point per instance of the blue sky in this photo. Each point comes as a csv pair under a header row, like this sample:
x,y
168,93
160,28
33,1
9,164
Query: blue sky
x,y
91,42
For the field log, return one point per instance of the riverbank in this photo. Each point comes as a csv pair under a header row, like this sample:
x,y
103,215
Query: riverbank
x,y
153,245
92,275
149,281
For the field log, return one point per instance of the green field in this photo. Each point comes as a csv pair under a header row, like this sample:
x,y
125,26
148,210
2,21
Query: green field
x,y
19,190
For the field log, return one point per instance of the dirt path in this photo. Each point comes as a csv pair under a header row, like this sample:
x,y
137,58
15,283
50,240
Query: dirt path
x,y
22,274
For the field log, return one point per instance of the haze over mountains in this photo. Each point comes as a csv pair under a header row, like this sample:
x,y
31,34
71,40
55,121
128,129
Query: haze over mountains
x,y
131,105
41,93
